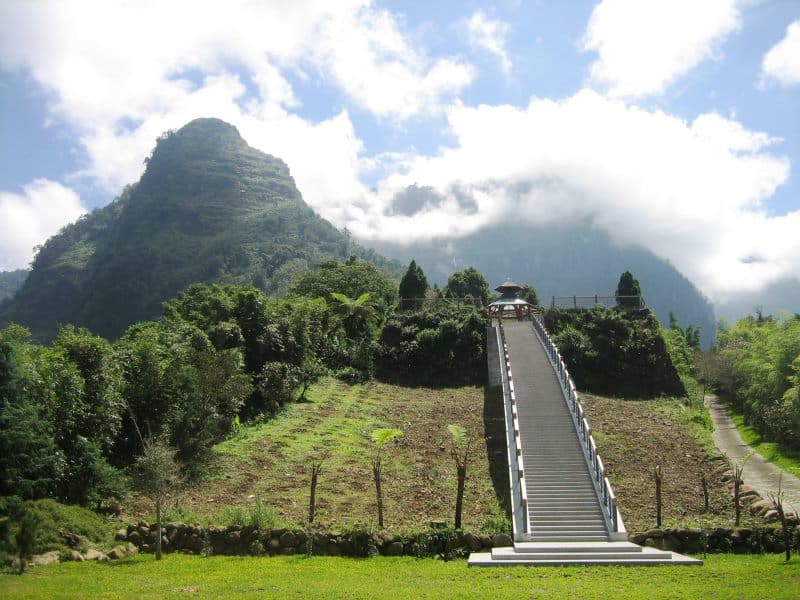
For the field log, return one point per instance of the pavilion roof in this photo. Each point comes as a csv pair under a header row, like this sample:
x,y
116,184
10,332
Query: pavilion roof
x,y
508,286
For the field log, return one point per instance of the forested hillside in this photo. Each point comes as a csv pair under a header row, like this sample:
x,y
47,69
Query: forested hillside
x,y
561,261
11,281
208,208
75,413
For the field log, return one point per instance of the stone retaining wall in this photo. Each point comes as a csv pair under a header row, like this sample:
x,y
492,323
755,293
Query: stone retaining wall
x,y
249,540
740,540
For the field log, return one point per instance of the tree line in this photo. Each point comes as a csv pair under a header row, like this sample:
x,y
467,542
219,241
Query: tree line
x,y
756,366
76,414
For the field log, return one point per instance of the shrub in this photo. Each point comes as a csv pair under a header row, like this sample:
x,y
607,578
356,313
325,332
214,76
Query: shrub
x,y
615,352
54,520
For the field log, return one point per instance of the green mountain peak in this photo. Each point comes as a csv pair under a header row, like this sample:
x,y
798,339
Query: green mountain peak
x,y
208,208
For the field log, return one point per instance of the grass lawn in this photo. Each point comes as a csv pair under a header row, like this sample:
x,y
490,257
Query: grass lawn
x,y
786,460
722,576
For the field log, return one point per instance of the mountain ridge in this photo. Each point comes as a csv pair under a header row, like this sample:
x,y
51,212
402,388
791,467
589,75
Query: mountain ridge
x,y
563,261
208,208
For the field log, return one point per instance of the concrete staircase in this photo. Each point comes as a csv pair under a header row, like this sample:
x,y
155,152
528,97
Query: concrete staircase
x,y
576,553
565,521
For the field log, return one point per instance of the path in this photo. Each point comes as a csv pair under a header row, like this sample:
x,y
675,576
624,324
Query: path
x,y
759,473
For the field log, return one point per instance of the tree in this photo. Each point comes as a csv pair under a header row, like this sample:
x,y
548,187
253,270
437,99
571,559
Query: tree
x,y
414,283
628,286
459,450
381,437
26,537
351,279
157,475
468,282
29,458
357,316
84,376
738,469
528,293
777,499
210,392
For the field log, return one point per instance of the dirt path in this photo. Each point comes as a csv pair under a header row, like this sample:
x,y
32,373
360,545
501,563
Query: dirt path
x,y
759,473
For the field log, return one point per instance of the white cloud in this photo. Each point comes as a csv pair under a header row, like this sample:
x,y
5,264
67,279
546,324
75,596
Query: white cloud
x,y
121,73
782,62
29,218
690,191
643,46
374,63
491,36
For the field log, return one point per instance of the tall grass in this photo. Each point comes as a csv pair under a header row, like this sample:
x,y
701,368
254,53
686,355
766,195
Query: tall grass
x,y
256,513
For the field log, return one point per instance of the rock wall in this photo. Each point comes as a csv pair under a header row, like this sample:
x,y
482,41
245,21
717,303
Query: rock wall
x,y
740,540
445,543
254,541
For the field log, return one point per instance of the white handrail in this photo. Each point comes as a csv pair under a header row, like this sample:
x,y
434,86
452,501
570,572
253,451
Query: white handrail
x,y
605,493
516,470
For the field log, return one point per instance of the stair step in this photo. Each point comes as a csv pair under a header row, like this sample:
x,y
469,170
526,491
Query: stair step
x,y
577,556
534,547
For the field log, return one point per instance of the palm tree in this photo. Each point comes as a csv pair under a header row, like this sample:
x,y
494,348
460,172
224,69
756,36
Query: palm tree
x,y
381,437
355,315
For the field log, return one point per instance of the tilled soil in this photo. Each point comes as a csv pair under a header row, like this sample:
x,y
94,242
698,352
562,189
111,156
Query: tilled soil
x,y
633,438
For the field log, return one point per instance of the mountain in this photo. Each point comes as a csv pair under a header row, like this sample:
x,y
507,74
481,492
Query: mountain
x,y
208,208
563,261
10,282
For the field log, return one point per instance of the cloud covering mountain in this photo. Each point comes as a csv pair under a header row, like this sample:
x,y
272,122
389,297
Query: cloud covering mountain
x,y
669,126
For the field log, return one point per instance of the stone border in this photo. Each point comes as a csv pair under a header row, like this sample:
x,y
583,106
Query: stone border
x,y
254,541
739,540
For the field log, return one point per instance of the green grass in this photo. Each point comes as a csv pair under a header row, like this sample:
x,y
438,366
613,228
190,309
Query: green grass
x,y
695,418
785,459
722,576
55,518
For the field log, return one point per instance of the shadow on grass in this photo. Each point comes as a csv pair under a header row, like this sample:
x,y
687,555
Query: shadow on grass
x,y
496,451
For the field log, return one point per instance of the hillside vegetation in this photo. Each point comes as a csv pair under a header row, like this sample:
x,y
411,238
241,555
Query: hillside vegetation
x,y
757,369
208,208
563,260
10,282
615,351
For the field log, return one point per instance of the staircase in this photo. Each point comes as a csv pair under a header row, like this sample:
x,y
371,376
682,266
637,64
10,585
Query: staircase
x,y
566,512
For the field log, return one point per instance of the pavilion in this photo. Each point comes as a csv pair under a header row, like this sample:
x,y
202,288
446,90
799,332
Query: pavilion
x,y
510,305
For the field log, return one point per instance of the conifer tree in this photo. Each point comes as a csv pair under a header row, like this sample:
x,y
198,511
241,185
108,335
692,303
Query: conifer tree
x,y
414,283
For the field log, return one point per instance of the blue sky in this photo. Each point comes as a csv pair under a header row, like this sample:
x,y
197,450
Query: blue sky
x,y
672,124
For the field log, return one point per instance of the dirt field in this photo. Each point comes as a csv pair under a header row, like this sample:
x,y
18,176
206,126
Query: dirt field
x,y
635,436
272,461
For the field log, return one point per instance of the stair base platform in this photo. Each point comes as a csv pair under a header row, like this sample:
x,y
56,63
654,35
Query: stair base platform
x,y
558,553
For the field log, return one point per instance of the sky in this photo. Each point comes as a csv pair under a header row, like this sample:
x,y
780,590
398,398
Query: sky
x,y
671,124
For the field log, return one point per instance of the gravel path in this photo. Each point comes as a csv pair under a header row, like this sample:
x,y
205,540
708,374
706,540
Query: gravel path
x,y
759,473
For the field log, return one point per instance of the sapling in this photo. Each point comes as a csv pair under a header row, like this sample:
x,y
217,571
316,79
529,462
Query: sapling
x,y
657,474
704,483
777,499
381,437
157,475
26,537
316,469
459,450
